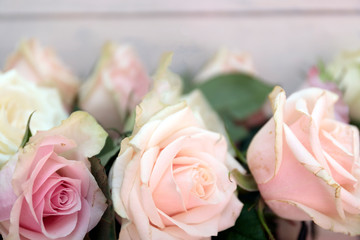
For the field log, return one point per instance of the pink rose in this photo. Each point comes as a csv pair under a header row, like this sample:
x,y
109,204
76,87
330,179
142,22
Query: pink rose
x,y
306,163
41,66
170,180
53,194
118,83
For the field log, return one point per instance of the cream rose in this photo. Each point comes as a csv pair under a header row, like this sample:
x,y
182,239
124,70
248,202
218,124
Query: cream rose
x,y
171,179
18,99
306,163
345,70
41,66
117,85
226,61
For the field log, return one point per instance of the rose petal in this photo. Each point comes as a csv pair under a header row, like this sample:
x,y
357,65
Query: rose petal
x,y
120,185
89,135
7,196
349,225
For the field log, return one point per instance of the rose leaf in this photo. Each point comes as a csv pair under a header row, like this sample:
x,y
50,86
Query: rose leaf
x,y
28,133
247,226
238,94
109,150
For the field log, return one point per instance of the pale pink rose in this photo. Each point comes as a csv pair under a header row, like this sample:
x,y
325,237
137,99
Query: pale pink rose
x,y
341,108
117,84
170,180
306,163
40,65
226,61
53,194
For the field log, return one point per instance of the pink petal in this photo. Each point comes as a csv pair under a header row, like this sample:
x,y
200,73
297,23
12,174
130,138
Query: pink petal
x,y
7,196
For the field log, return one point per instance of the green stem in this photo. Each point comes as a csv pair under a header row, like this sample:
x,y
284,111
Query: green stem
x,y
262,219
238,154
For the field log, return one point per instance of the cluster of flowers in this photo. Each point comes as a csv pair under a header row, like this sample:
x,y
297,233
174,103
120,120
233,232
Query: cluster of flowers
x,y
176,174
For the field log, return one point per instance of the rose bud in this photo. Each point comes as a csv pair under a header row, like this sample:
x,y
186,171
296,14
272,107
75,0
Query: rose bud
x,y
117,84
40,65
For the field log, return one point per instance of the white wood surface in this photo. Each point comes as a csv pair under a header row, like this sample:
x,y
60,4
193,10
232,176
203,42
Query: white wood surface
x,y
136,6
285,37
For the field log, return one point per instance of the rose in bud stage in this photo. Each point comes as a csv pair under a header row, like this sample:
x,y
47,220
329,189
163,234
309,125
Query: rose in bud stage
x,y
117,84
306,163
56,196
226,61
40,65
171,178
18,99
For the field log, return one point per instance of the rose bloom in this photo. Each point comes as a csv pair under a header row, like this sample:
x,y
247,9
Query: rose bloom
x,y
117,84
306,163
40,65
18,99
53,194
345,70
226,61
171,178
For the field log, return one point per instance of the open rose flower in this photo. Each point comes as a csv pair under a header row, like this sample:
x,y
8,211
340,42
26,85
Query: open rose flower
x,y
18,99
226,61
41,65
170,180
56,196
306,163
117,85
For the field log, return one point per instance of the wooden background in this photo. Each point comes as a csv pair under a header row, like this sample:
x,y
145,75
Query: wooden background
x,y
285,37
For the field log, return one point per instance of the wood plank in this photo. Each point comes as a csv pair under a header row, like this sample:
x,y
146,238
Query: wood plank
x,y
146,6
283,47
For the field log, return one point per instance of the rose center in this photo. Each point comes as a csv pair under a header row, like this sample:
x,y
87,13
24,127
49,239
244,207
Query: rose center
x,y
64,197
203,182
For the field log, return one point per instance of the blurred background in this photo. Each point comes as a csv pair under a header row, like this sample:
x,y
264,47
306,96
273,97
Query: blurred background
x,y
285,38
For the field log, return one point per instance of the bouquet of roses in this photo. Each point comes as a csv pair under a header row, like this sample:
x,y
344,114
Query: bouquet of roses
x,y
127,156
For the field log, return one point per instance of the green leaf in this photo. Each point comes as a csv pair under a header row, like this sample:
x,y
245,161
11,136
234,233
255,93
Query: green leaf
x,y
28,133
235,132
241,158
105,229
247,227
237,94
109,150
244,181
